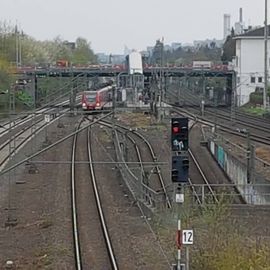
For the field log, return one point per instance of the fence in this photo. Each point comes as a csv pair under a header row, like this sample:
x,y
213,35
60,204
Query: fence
x,y
227,193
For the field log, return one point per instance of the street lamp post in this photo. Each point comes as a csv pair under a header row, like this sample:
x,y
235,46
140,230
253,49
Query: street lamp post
x,y
12,151
118,78
265,57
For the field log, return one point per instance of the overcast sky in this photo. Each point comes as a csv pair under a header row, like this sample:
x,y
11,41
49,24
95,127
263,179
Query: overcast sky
x,y
111,24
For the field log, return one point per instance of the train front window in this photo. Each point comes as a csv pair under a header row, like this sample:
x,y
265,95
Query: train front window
x,y
91,97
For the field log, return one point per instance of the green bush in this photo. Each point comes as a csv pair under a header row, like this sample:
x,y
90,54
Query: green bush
x,y
24,98
256,98
221,241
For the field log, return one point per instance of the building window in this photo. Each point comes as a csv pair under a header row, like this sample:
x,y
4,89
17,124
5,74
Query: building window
x,y
259,79
252,79
238,80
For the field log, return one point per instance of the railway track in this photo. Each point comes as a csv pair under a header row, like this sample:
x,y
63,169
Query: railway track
x,y
17,132
208,191
203,189
86,202
145,155
228,127
24,117
22,132
233,122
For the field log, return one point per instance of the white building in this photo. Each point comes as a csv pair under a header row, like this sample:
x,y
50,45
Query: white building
x,y
135,63
249,63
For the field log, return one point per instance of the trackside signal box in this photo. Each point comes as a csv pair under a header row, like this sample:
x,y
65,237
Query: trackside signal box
x,y
179,134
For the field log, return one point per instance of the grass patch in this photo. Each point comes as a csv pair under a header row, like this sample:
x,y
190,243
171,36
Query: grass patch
x,y
221,242
255,110
136,120
44,224
160,126
263,153
104,136
46,257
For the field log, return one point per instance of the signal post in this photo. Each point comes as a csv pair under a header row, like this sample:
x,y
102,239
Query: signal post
x,y
179,172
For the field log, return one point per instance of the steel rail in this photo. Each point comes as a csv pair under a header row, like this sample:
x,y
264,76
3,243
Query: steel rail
x,y
99,207
26,117
50,146
224,128
203,175
76,239
19,145
149,146
18,134
156,167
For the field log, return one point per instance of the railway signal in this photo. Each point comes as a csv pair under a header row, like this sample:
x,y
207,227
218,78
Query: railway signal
x,y
179,146
180,168
179,134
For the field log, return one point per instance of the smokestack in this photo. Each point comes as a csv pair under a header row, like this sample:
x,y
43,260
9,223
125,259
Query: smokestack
x,y
241,15
226,26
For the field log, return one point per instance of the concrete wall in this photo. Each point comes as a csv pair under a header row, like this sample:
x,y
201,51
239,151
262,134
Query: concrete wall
x,y
255,193
234,169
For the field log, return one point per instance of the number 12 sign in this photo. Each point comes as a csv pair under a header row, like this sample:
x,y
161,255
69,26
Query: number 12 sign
x,y
187,237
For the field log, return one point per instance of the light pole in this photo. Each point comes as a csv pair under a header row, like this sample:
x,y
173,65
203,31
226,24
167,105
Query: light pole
x,y
265,57
118,78
12,151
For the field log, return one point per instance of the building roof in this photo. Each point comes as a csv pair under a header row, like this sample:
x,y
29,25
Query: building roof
x,y
255,33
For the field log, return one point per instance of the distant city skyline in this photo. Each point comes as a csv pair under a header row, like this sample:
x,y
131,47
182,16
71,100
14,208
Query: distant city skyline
x,y
112,25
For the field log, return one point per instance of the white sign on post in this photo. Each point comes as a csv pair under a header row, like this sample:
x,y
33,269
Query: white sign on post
x,y
47,118
179,198
187,237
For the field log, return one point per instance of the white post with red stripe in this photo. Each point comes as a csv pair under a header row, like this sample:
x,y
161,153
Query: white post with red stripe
x,y
179,245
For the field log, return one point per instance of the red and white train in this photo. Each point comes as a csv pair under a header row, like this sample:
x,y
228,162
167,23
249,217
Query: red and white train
x,y
96,100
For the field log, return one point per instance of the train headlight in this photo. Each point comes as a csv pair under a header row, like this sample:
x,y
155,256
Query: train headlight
x,y
98,104
84,105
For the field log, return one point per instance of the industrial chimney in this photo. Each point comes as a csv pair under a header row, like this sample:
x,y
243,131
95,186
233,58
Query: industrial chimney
x,y
226,26
241,15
